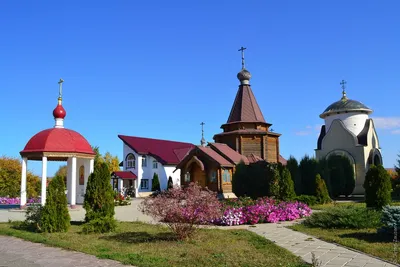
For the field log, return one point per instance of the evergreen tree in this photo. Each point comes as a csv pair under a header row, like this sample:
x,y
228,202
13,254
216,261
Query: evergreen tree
x,y
239,184
155,183
274,182
321,191
397,167
377,187
293,167
308,170
341,175
286,186
170,183
99,201
54,215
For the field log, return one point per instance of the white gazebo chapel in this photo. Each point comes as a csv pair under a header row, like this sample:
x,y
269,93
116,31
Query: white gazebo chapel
x,y
60,144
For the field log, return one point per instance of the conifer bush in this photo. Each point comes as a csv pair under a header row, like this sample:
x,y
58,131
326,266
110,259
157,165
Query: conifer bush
x,y
155,183
293,167
377,187
286,186
308,170
99,202
321,191
170,183
54,215
274,182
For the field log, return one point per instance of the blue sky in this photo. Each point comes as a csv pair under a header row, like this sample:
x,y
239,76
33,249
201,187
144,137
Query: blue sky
x,y
159,68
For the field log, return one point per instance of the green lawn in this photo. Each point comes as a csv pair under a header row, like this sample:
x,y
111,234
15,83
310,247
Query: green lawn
x,y
143,244
356,204
365,240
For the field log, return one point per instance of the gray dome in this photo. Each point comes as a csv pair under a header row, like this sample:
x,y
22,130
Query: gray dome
x,y
244,75
345,105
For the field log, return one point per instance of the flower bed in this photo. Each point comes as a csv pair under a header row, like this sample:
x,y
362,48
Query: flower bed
x,y
263,210
17,201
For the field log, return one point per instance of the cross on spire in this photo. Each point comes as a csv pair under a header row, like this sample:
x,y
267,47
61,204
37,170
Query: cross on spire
x,y
202,141
60,88
242,50
343,84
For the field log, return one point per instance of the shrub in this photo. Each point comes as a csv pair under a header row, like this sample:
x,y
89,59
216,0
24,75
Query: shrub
x,y
397,167
308,170
155,183
293,167
390,218
341,175
55,215
237,202
99,202
274,182
170,183
321,191
183,209
377,187
33,218
307,199
350,217
286,186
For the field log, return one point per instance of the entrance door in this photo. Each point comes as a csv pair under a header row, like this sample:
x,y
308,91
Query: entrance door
x,y
198,175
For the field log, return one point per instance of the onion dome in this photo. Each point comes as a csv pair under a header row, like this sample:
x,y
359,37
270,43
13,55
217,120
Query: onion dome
x,y
59,112
244,76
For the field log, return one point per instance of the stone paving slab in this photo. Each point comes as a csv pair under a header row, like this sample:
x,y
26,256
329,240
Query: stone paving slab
x,y
302,245
16,252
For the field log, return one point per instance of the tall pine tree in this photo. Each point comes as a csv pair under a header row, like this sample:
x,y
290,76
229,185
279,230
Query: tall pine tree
x,y
99,201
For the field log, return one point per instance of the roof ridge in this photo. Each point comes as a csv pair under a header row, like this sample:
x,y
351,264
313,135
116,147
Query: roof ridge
x,y
155,139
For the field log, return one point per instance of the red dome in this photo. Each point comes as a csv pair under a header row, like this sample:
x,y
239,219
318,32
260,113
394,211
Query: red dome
x,y
58,140
59,112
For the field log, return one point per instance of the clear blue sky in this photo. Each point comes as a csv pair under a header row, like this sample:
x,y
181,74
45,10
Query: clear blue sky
x,y
159,68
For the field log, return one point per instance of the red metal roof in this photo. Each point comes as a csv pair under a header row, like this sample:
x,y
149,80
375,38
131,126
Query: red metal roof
x,y
245,107
167,152
58,140
217,157
126,175
231,154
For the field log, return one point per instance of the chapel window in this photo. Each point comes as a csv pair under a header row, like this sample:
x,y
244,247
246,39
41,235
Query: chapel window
x,y
144,184
187,177
155,164
213,177
226,176
130,161
82,175
144,161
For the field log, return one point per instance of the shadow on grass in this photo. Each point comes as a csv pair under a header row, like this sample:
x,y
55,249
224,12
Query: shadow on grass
x,y
77,223
140,237
370,237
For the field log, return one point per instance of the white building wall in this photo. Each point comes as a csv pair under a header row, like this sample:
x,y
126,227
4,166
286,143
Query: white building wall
x,y
147,172
353,121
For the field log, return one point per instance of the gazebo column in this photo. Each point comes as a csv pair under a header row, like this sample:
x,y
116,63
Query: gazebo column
x,y
44,180
23,182
120,185
72,195
91,165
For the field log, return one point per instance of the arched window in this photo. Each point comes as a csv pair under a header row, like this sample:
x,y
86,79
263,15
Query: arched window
x,y
82,175
130,161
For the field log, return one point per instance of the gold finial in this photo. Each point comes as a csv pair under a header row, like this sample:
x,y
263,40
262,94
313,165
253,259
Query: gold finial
x,y
60,82
242,49
343,84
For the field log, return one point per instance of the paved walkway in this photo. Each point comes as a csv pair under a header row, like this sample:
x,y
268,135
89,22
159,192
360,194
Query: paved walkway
x,y
15,252
302,245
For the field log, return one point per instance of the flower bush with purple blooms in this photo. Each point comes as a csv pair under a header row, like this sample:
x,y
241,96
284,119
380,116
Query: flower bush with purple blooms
x,y
17,201
261,211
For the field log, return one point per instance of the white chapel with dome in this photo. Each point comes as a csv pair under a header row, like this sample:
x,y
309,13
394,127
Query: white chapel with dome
x,y
349,131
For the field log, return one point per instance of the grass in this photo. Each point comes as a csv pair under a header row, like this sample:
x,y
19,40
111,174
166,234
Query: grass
x,y
356,204
143,244
365,240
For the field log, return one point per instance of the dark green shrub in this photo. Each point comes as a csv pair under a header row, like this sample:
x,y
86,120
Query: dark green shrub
x,y
274,182
397,167
308,170
55,215
251,180
321,191
155,183
293,166
286,186
341,175
307,199
99,202
350,217
238,202
33,218
170,183
377,187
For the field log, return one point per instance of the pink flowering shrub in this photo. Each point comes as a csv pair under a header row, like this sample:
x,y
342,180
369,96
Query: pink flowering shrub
x,y
183,209
264,210
17,201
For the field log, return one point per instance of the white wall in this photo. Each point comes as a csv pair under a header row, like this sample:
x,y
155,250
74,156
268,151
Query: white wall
x,y
147,172
353,121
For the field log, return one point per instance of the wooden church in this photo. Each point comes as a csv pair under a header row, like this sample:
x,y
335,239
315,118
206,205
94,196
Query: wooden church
x,y
246,137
